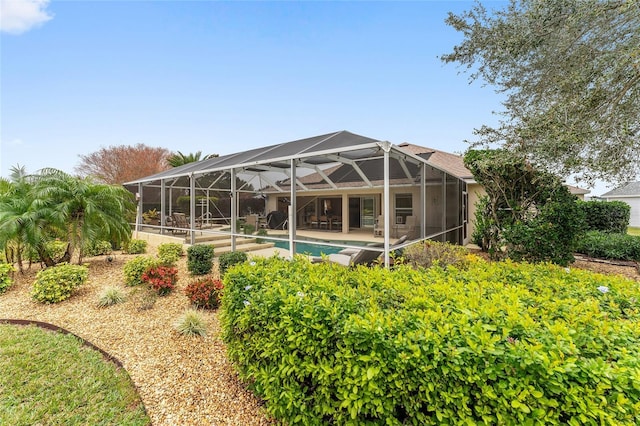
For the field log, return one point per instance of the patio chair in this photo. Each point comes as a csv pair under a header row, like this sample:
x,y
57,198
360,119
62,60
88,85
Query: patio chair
x,y
408,227
180,224
352,257
378,227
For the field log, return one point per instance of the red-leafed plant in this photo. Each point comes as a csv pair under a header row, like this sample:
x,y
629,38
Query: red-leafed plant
x,y
161,278
205,293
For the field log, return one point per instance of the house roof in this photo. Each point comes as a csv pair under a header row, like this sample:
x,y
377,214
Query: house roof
x,y
631,189
451,163
353,160
577,190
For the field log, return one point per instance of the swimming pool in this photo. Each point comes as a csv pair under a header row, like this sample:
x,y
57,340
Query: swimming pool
x,y
309,248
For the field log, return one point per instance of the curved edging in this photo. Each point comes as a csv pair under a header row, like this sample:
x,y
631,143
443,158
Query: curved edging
x,y
84,342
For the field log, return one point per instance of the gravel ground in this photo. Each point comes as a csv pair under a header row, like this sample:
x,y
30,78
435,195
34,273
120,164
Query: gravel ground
x,y
182,380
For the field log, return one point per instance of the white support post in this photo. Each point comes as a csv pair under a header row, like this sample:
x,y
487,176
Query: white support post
x,y
386,146
291,223
192,206
423,200
234,209
163,202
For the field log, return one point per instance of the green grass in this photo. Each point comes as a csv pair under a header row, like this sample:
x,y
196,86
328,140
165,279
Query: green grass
x,y
51,378
633,231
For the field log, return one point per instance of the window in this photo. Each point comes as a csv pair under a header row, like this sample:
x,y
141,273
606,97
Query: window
x,y
404,207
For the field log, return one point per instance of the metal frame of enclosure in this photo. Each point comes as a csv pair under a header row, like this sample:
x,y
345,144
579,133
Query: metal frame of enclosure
x,y
364,164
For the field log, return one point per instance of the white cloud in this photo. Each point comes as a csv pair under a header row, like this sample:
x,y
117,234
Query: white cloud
x,y
18,16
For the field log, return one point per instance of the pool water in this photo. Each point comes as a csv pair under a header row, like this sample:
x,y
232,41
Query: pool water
x,y
309,248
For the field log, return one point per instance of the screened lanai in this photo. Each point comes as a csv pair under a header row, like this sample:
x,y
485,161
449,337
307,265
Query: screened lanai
x,y
338,183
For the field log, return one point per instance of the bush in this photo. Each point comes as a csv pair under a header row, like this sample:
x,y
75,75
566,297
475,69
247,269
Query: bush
x,y
57,283
610,246
205,293
161,278
226,260
429,253
169,253
110,296
5,278
97,248
191,324
134,268
606,216
200,259
496,343
56,249
136,247
261,233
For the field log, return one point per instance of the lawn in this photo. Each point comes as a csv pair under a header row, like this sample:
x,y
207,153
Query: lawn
x,y
52,378
633,231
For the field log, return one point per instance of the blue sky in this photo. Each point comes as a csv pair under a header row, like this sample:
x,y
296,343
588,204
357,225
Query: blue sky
x,y
222,77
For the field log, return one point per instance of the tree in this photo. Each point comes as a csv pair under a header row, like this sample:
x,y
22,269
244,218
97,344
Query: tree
x,y
527,214
24,220
87,211
179,159
570,70
123,163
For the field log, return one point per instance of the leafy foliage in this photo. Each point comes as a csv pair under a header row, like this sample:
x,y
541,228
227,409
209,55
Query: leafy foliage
x,y
611,216
180,159
136,267
57,283
200,259
496,343
191,324
161,278
97,248
123,163
205,293
606,245
226,260
110,296
169,253
570,71
136,247
527,214
426,254
5,277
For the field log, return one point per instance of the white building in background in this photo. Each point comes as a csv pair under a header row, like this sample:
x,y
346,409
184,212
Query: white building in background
x,y
630,194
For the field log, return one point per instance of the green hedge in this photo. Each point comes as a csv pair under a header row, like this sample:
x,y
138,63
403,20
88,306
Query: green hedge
x,y
496,343
200,259
57,283
609,216
610,246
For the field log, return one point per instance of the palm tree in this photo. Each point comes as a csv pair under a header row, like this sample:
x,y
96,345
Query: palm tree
x,y
85,210
179,159
24,222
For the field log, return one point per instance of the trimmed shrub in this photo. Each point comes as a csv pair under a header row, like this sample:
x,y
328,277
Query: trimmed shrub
x,y
169,253
191,324
200,259
57,283
161,278
496,343
97,248
5,277
261,233
429,253
606,245
56,249
134,268
205,293
136,247
606,216
226,260
110,296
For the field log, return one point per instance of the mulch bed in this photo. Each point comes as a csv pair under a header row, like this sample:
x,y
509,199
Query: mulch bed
x,y
181,380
